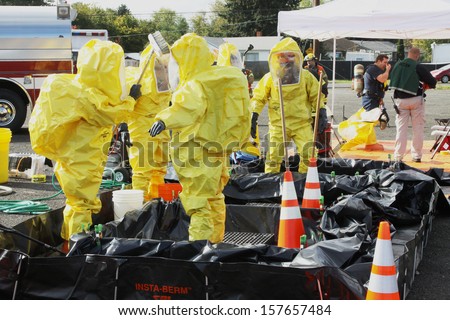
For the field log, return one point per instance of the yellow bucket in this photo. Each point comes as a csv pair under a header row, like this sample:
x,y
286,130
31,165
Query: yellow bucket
x,y
5,139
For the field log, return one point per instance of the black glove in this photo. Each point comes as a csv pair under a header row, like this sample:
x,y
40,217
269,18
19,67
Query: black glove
x,y
135,91
254,125
323,120
157,128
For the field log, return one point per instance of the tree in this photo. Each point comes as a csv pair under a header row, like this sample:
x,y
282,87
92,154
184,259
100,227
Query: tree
x,y
123,10
131,33
123,28
171,25
400,49
211,25
246,17
309,3
425,48
219,26
93,17
200,24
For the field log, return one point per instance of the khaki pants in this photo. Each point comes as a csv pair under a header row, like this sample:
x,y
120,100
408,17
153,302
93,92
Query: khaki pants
x,y
413,108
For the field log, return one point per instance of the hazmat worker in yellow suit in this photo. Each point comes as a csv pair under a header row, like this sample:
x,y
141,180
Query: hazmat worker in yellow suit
x,y
300,92
359,129
209,119
71,124
149,155
229,55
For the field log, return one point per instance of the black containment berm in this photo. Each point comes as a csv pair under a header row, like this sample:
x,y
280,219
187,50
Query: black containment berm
x,y
147,255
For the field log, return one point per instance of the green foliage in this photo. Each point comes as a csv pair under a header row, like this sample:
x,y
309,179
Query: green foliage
x,y
131,33
123,10
211,25
123,28
309,3
228,18
200,24
426,52
246,17
171,25
422,44
219,24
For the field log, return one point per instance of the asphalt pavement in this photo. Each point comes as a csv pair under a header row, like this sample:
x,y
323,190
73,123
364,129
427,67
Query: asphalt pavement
x,y
432,280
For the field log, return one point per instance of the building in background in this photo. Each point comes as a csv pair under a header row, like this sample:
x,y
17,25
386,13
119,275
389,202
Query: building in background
x,y
440,52
359,50
261,46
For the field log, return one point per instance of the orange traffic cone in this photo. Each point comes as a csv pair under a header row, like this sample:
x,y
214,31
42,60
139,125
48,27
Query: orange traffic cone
x,y
291,227
312,194
383,279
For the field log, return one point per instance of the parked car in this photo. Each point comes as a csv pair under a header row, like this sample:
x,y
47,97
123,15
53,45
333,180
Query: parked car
x,y
442,74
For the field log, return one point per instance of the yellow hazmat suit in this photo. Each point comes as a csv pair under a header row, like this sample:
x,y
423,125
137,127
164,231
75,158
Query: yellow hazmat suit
x,y
209,118
300,101
149,155
230,56
71,124
360,129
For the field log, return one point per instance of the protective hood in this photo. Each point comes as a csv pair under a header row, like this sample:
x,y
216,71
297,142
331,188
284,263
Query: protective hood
x,y
300,100
193,56
229,55
155,78
285,61
287,44
93,100
101,65
154,83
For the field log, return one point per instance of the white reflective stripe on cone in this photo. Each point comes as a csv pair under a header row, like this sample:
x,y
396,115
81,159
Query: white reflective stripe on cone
x,y
289,213
289,191
312,175
311,194
383,284
383,253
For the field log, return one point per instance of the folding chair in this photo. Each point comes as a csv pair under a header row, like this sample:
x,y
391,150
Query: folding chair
x,y
442,134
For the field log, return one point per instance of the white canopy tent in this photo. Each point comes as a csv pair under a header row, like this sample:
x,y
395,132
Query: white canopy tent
x,y
375,19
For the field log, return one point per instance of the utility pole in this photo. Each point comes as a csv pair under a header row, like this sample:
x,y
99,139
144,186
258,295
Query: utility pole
x,y
316,42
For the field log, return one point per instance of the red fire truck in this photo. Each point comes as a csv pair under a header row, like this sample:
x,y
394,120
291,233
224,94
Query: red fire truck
x,y
34,42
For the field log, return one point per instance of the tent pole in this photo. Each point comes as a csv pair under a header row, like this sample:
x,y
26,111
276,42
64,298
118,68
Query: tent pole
x,y
334,79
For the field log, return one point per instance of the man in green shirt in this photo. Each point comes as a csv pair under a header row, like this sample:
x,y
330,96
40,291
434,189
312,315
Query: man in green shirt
x,y
409,79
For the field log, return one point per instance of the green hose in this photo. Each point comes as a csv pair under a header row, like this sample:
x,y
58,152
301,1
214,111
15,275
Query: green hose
x,y
23,206
33,206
